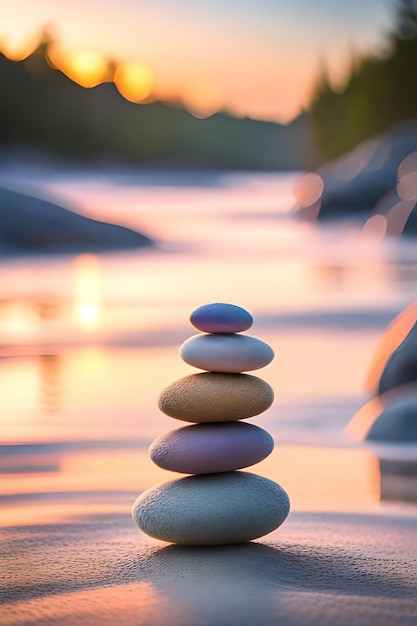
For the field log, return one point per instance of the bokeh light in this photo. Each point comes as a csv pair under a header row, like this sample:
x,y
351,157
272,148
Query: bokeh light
x,y
375,227
308,189
408,165
17,48
87,68
134,82
407,186
87,291
201,98
369,154
19,321
407,179
397,217
55,56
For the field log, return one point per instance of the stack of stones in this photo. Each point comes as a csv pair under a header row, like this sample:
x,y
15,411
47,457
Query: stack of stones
x,y
216,504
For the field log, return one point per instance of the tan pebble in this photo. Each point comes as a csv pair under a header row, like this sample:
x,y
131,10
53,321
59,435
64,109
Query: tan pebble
x,y
216,397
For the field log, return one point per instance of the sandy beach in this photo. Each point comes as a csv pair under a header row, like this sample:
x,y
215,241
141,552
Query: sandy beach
x,y
318,569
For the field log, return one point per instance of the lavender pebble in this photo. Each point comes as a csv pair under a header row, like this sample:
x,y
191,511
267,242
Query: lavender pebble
x,y
211,448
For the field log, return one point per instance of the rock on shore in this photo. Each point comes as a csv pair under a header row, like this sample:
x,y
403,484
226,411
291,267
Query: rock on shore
x,y
31,225
377,176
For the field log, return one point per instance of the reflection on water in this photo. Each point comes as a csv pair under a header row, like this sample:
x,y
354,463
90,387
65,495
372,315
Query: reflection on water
x,y
391,439
51,384
398,479
88,291
61,482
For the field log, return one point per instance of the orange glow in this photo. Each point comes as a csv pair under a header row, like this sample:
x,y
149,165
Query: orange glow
x,y
101,470
324,479
18,321
201,98
265,68
18,49
167,93
318,479
395,334
87,68
92,359
87,276
83,607
134,82
361,422
59,511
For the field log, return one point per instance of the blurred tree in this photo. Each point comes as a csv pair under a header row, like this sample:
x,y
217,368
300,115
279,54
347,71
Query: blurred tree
x,y
379,92
41,107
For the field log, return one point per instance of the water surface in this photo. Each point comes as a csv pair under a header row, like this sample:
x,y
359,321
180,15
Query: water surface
x,y
88,342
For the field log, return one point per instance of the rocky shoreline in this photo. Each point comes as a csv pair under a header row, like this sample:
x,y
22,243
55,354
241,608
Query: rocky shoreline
x,y
30,225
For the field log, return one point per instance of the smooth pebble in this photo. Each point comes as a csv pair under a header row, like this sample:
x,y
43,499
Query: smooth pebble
x,y
397,423
226,353
210,448
213,397
220,317
212,509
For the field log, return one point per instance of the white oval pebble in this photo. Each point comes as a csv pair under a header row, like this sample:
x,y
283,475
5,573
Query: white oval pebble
x,y
212,509
228,353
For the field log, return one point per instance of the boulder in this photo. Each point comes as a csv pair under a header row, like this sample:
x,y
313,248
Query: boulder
x,y
30,225
354,183
401,367
397,423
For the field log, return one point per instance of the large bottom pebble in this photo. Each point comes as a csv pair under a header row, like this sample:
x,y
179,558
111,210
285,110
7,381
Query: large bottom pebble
x,y
212,509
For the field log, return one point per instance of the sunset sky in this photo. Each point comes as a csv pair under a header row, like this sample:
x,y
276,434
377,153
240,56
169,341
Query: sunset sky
x,y
258,58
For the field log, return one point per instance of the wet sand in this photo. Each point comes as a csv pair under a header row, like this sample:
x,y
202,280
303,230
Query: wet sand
x,y
316,569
